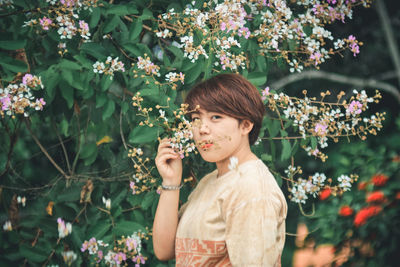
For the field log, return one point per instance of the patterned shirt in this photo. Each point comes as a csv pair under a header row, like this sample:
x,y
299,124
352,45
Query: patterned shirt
x,y
237,219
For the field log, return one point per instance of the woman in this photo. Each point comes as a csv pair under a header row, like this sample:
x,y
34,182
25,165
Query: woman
x,y
236,214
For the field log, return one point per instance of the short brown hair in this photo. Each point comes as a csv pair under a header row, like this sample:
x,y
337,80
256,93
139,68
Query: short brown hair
x,y
232,95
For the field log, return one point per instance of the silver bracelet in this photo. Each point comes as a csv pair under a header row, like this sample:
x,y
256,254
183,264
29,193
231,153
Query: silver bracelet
x,y
171,187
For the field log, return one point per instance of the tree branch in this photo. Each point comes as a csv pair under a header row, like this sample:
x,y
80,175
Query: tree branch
x,y
360,82
387,28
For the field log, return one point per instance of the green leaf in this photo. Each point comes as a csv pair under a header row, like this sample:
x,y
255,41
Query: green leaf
x,y
88,150
313,142
70,65
147,14
143,134
68,93
94,17
34,254
50,79
13,64
108,109
111,24
119,10
286,149
99,229
136,29
95,50
101,99
261,63
266,157
148,199
194,73
12,45
127,228
273,127
257,78
71,193
106,82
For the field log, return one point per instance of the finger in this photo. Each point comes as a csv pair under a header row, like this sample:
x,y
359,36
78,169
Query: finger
x,y
165,157
164,150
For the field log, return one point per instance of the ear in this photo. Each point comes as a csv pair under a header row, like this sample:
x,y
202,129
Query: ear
x,y
246,126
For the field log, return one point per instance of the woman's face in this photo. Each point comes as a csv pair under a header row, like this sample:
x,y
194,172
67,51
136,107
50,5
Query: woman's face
x,y
218,136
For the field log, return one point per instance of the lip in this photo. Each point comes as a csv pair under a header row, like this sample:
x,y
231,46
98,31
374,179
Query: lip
x,y
205,144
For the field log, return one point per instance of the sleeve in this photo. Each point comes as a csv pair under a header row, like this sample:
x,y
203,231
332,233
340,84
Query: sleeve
x,y
252,235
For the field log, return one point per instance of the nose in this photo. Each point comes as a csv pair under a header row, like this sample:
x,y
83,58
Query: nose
x,y
204,129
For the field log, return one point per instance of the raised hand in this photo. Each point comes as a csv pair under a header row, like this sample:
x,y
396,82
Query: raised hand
x,y
169,163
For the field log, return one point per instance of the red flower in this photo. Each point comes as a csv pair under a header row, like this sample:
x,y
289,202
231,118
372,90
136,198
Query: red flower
x,y
345,211
365,213
397,195
376,196
379,179
325,193
362,185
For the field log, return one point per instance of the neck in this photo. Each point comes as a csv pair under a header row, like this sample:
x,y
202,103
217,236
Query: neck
x,y
243,154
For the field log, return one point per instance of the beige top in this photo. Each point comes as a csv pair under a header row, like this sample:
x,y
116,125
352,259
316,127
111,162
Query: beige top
x,y
237,219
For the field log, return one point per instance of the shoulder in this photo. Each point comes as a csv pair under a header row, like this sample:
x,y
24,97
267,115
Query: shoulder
x,y
255,183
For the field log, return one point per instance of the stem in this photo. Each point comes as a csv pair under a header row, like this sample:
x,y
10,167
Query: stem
x,y
27,123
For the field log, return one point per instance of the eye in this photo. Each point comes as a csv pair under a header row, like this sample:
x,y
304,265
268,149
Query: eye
x,y
195,119
215,117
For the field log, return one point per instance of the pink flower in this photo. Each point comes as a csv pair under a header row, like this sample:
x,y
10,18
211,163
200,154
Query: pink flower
x,y
245,32
223,26
83,25
100,255
316,56
27,79
138,259
355,107
120,257
5,102
131,244
45,23
132,186
265,92
320,129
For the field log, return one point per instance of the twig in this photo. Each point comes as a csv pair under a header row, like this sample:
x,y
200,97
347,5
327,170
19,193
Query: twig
x,y
334,77
63,147
27,123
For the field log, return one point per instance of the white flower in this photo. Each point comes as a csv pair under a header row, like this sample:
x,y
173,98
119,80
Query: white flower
x,y
233,163
69,257
7,226
107,202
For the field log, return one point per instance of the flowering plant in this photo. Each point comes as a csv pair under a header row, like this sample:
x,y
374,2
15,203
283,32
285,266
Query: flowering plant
x,y
87,158
364,222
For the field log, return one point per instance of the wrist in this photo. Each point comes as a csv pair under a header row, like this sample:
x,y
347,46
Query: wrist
x,y
171,187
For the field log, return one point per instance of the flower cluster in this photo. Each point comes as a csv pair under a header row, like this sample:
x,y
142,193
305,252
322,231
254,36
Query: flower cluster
x,y
126,248
18,98
64,229
316,185
365,213
294,31
325,120
63,17
178,130
173,77
147,66
109,67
